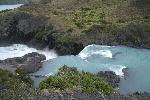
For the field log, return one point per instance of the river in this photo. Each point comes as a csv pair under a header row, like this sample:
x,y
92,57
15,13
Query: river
x,y
93,58
4,7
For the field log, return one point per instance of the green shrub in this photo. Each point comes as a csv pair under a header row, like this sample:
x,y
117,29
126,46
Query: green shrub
x,y
70,78
13,87
65,37
87,17
40,35
67,71
22,75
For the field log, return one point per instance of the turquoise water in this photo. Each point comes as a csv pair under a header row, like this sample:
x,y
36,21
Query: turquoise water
x,y
4,7
95,58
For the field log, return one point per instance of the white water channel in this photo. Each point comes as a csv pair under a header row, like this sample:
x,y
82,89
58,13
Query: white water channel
x,y
19,50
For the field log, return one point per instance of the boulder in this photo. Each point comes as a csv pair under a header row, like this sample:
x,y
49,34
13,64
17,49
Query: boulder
x,y
69,48
30,62
110,76
125,71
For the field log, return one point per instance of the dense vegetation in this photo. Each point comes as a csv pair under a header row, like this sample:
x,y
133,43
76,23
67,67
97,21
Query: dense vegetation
x,y
15,86
69,78
18,85
55,22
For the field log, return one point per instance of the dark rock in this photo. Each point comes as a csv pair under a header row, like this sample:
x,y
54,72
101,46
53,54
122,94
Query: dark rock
x,y
31,23
96,35
21,27
30,62
69,48
78,95
34,55
141,96
50,96
50,39
110,76
125,71
30,66
12,61
85,96
34,43
132,35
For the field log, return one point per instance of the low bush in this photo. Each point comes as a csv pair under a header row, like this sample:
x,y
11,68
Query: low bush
x,y
15,87
70,78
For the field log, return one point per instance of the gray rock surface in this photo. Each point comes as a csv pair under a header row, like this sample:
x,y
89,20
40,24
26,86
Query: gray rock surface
x,y
110,76
30,62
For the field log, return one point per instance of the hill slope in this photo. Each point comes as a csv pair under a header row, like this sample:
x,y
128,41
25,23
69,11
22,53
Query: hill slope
x,y
67,25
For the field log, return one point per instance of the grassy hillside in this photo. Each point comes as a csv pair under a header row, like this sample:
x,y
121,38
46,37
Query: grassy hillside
x,y
108,22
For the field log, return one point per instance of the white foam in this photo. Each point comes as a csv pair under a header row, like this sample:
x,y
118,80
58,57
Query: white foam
x,y
102,46
19,50
83,55
47,75
116,68
94,49
50,54
103,53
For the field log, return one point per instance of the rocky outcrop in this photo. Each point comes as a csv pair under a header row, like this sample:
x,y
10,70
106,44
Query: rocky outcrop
x,y
30,62
140,4
132,35
21,27
96,35
68,48
34,31
78,95
110,77
125,72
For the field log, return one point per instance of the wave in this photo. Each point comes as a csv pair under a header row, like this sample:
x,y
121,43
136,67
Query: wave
x,y
50,54
96,50
104,53
115,68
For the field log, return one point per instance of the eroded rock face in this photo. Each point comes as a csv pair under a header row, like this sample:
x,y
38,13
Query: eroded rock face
x,y
69,48
110,76
132,35
30,62
20,27
126,73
